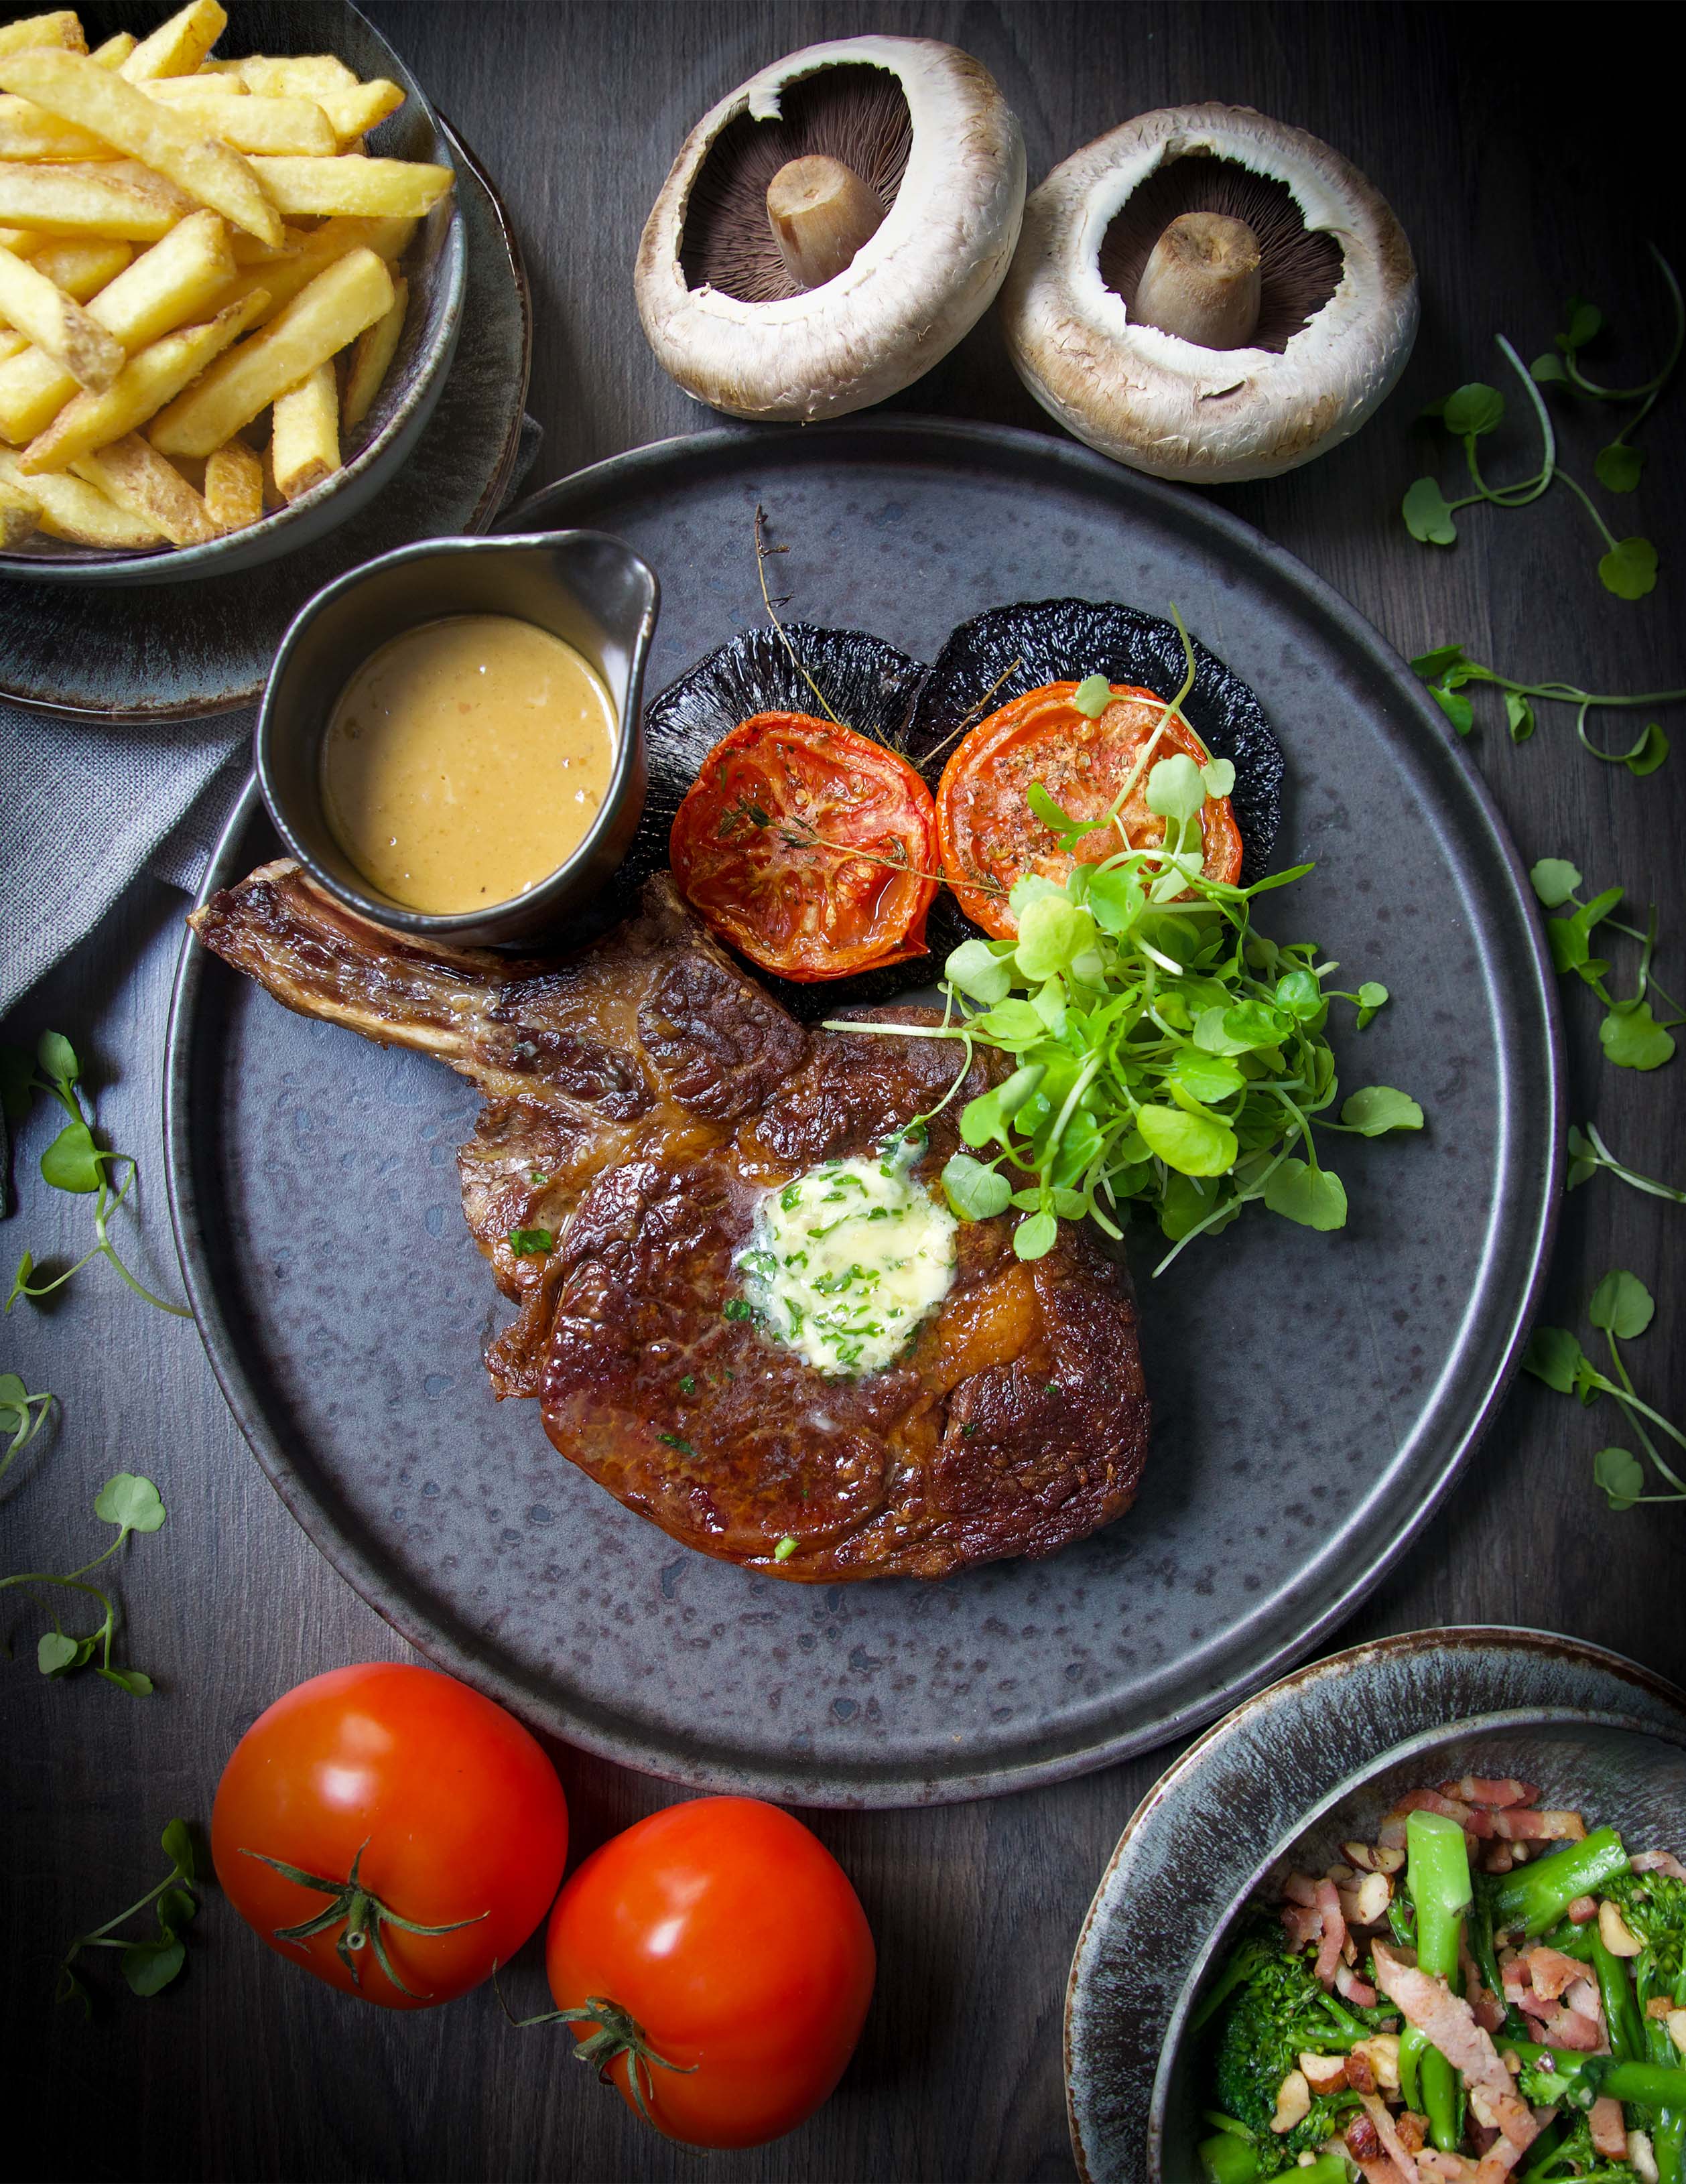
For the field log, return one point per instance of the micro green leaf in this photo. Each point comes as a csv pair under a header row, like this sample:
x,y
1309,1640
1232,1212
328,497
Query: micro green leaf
x,y
1632,1038
1217,776
1549,371
1372,997
1553,1356
1620,1306
1629,568
1473,409
72,1162
1114,898
1052,931
1554,879
1618,466
1649,754
1585,322
1427,517
176,1907
55,1652
1299,993
131,1503
1311,1196
974,1191
1442,664
1378,1108
1205,1077
1518,716
1192,1144
1034,1237
135,1681
978,973
57,1059
1175,789
1619,1475
1455,706
1091,697
150,1966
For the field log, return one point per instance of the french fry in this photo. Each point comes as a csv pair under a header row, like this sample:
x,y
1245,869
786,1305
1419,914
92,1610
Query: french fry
x,y
68,200
18,514
352,294
371,359
354,112
152,377
234,486
77,90
186,90
57,324
255,124
131,472
164,288
28,132
285,277
176,47
62,27
80,269
306,448
70,508
295,75
21,241
349,184
115,50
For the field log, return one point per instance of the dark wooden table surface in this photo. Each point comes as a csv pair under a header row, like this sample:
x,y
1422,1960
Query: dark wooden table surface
x,y
1502,139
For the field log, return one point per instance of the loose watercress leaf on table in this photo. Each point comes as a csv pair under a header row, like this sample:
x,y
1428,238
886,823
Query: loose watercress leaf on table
x,y
1454,705
1313,1197
1445,664
1621,1475
1377,1108
1632,1038
1622,1305
1518,716
1584,322
1649,753
974,1191
72,1162
131,1503
1549,371
57,1058
1554,879
135,1681
175,1908
1618,466
149,1966
1471,411
55,1652
1555,1357
1629,568
1372,996
178,1842
1427,517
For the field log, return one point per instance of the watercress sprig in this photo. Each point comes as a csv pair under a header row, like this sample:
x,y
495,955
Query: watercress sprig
x,y
132,1504
1589,1153
1628,566
1449,667
22,1416
1619,464
1620,1306
148,1964
1631,1035
73,1163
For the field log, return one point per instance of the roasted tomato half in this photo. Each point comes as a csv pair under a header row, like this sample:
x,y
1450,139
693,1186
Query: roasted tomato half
x,y
985,828
811,849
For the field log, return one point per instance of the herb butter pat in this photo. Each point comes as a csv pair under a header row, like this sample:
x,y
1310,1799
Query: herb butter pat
x,y
847,1260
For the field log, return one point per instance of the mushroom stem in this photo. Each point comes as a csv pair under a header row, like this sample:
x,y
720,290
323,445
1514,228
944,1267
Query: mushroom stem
x,y
820,212
1202,281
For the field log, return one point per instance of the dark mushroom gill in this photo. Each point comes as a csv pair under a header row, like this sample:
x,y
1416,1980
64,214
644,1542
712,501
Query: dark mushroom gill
x,y
1299,271
854,113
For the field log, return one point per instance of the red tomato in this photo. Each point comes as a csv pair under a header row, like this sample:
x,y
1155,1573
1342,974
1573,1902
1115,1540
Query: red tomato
x,y
811,849
985,826
726,1938
409,1799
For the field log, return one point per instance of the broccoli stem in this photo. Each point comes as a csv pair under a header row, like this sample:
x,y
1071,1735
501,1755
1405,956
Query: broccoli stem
x,y
1622,2018
1227,2161
1539,1895
1648,2084
1437,1876
1542,2150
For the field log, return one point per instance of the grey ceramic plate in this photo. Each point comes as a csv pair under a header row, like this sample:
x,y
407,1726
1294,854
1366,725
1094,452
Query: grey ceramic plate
x,y
1208,1826
1302,1433
434,263
169,652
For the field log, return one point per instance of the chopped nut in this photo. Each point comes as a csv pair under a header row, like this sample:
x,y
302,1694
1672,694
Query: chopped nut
x,y
1659,2005
1375,1894
1293,2103
1614,1931
1381,2051
1323,2073
1643,2156
1413,2129
1676,2022
1360,1855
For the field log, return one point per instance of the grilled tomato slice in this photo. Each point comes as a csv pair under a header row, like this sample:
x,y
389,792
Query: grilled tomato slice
x,y
988,835
811,849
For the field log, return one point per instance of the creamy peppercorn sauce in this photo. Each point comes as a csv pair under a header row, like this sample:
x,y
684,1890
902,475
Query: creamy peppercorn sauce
x,y
848,1260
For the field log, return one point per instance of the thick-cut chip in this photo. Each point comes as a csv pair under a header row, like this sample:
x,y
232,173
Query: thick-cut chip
x,y
371,359
166,287
351,184
176,47
354,112
131,472
234,486
170,143
21,241
149,380
115,50
62,27
186,90
295,75
351,294
18,514
306,448
57,324
253,124
70,508
29,131
73,200
285,277
80,267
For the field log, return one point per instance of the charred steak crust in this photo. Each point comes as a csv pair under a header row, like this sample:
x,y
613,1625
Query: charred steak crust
x,y
639,1096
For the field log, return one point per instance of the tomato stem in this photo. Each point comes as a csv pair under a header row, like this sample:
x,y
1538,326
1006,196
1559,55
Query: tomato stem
x,y
363,1914
614,2032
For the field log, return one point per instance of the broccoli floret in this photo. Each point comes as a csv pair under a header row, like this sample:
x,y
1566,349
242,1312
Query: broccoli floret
x,y
1653,1906
1273,2012
1575,2160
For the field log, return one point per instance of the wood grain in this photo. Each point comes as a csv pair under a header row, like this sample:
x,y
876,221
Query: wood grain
x,y
1519,180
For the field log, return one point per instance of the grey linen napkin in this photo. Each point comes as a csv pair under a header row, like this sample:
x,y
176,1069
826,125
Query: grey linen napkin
x,y
84,807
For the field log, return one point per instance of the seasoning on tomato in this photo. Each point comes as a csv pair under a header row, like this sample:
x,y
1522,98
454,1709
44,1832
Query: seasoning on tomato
x,y
811,849
988,834
715,1966
390,1831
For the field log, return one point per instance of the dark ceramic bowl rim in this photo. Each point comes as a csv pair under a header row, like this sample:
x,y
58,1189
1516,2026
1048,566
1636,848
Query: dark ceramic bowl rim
x,y
520,908
1424,1742
257,541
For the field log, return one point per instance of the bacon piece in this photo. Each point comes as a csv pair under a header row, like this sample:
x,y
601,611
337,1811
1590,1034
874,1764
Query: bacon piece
x,y
1431,2163
1497,2163
1301,1926
1659,1861
1300,1888
1334,1933
1498,1857
1584,1999
1351,1988
1477,1790
1582,1911
1431,2005
1538,1827
1567,2028
1387,2132
1552,1973
1609,2132
1431,1800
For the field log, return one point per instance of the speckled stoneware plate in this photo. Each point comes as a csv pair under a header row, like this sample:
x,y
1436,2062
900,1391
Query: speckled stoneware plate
x,y
1313,1754
434,262
1314,1395
161,653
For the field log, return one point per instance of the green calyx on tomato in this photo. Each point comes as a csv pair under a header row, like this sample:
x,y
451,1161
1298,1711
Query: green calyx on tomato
x,y
364,1916
616,2032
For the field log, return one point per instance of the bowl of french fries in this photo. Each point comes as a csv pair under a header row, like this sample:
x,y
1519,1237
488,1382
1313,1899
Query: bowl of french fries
x,y
231,284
